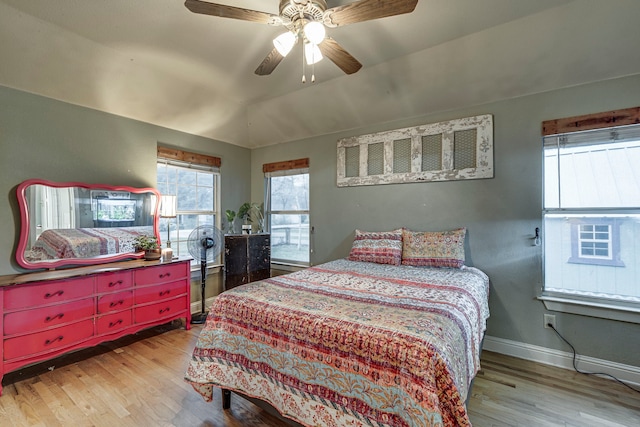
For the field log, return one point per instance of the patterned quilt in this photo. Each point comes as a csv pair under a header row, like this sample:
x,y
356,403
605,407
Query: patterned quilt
x,y
349,344
85,242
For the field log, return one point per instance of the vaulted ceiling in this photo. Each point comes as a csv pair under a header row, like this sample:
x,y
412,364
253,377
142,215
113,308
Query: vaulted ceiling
x,y
155,61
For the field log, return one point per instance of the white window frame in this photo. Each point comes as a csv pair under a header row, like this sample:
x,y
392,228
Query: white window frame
x,y
269,212
603,305
215,211
612,258
591,243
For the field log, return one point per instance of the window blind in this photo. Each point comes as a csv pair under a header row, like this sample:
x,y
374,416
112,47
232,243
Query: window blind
x,y
186,159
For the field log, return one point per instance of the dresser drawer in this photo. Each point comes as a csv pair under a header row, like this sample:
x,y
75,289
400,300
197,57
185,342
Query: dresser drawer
x,y
112,282
50,340
161,310
47,317
114,302
159,292
160,274
113,322
39,294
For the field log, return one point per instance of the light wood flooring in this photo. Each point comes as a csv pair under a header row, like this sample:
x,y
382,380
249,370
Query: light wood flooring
x,y
137,381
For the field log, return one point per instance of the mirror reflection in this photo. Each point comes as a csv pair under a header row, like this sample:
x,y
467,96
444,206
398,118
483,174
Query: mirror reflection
x,y
71,223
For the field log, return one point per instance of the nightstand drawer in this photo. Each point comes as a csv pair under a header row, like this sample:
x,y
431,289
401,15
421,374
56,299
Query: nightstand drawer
x,y
40,294
47,317
50,340
115,302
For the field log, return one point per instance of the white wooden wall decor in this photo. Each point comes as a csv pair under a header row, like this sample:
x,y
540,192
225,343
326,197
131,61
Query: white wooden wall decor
x,y
452,150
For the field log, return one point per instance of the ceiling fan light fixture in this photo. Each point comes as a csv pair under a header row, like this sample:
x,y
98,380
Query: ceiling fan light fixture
x,y
315,32
312,53
306,20
284,43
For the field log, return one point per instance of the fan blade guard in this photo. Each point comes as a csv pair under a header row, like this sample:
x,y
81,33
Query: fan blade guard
x,y
205,243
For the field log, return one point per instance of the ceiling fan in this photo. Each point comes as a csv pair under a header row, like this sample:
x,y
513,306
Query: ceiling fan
x,y
305,20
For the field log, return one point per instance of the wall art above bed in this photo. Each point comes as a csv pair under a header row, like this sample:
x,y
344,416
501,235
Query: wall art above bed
x,y
452,150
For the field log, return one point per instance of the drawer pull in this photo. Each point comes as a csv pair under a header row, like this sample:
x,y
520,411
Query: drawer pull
x,y
55,294
163,275
116,323
58,338
164,310
51,318
163,293
112,284
116,303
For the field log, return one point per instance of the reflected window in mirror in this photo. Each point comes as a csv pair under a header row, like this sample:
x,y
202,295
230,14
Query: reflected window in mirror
x,y
196,188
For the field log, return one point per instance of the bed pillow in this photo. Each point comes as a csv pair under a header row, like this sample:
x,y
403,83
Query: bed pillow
x,y
382,247
433,248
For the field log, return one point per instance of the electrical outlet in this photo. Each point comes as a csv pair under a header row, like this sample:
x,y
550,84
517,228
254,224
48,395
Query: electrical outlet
x,y
549,319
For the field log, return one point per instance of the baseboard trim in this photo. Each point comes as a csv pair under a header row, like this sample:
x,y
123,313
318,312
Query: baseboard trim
x,y
627,373
196,307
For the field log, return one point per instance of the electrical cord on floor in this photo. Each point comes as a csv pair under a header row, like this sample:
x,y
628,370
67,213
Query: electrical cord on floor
x,y
585,372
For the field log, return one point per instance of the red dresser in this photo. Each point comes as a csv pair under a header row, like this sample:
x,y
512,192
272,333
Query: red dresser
x,y
47,314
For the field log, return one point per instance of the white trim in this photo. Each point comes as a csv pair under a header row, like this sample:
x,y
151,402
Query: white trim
x,y
286,266
196,307
188,165
614,311
627,373
211,269
287,172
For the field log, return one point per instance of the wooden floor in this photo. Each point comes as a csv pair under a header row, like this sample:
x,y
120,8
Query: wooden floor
x,y
137,381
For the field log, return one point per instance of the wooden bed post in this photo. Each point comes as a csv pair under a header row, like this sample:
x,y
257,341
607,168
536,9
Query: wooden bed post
x,y
226,398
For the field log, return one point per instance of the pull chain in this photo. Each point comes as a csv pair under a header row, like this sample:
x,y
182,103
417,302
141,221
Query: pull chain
x,y
304,77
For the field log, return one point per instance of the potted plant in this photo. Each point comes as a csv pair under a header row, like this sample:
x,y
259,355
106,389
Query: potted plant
x,y
148,244
257,216
252,213
231,216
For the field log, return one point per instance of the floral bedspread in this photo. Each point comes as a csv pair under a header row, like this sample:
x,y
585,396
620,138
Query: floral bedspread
x,y
85,242
349,344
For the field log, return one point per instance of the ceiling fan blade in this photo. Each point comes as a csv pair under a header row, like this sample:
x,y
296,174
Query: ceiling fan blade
x,y
336,53
366,10
221,10
269,63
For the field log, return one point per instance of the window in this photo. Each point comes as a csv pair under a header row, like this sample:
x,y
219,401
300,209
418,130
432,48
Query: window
x,y
596,241
591,215
196,189
287,211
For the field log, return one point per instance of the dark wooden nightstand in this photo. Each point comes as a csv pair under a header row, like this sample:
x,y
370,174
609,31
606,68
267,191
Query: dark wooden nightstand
x,y
247,258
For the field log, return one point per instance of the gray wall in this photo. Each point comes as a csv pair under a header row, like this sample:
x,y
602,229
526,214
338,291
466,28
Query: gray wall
x,y
43,138
48,139
501,214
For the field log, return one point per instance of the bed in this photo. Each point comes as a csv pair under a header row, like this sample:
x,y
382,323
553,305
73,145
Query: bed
x,y
350,343
85,242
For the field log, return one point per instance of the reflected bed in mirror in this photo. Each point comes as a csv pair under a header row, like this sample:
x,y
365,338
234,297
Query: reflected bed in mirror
x,y
72,223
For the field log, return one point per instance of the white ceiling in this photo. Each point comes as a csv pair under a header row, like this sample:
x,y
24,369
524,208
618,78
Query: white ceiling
x,y
154,61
